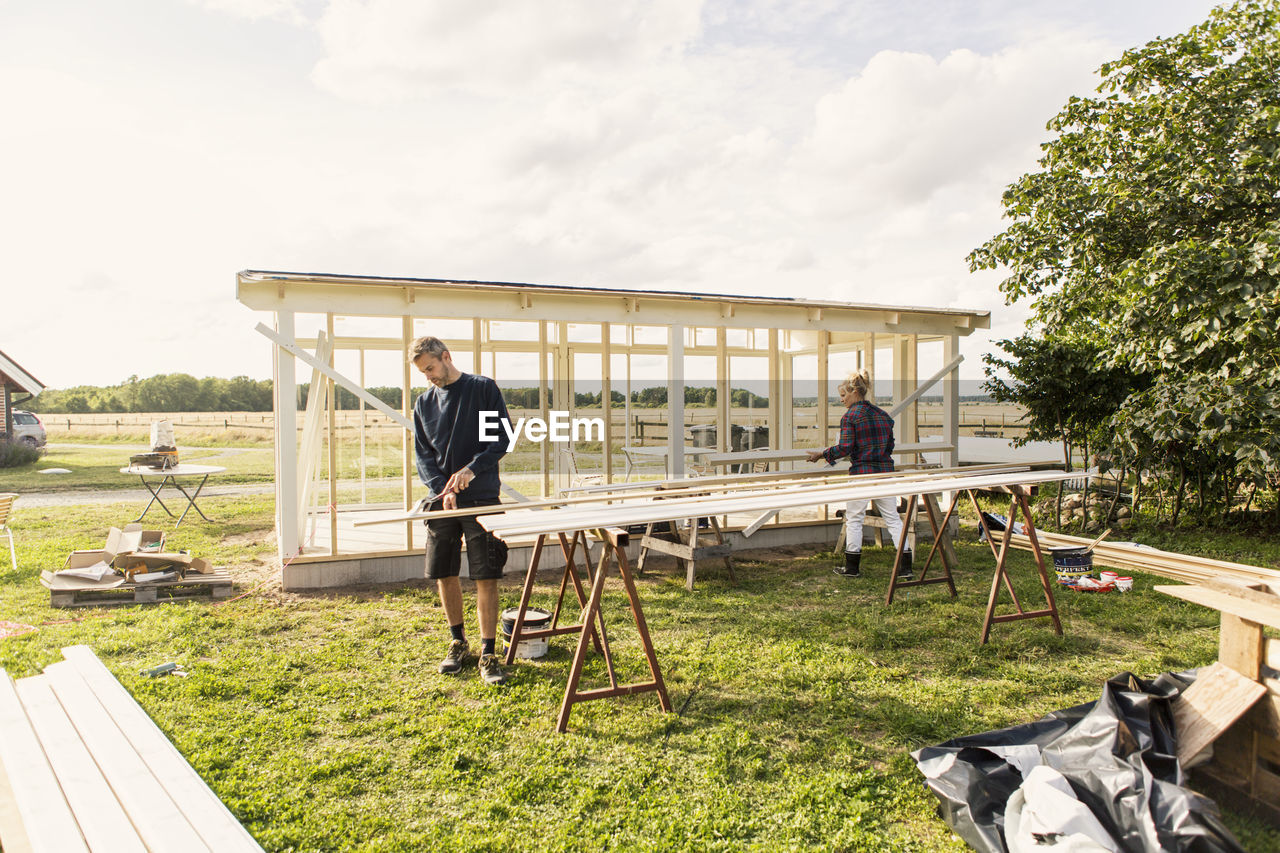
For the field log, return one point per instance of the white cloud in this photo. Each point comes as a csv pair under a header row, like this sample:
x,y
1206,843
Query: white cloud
x,y
381,50
908,125
571,142
289,11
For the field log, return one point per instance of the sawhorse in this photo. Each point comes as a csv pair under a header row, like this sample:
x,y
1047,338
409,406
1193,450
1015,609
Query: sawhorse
x,y
591,628
686,550
1018,502
941,546
569,548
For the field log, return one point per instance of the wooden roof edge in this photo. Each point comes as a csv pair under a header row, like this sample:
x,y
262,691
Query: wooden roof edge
x,y
341,279
18,375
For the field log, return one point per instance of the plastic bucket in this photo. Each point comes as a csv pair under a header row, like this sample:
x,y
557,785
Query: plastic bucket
x,y
534,619
1072,563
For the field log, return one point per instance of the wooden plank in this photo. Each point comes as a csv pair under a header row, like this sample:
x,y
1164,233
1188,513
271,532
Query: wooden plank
x,y
1210,780
1218,698
101,818
1266,788
1250,611
1240,646
1268,749
13,835
1265,716
38,800
1165,563
1271,653
150,808
202,807
519,522
1233,756
684,551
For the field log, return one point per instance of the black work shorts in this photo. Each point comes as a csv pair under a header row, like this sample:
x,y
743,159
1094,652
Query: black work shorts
x,y
486,553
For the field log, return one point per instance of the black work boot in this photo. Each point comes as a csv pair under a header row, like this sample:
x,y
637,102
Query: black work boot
x,y
852,563
904,568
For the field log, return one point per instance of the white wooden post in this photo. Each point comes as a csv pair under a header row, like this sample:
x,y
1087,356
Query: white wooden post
x,y
288,522
951,402
606,398
724,425
675,401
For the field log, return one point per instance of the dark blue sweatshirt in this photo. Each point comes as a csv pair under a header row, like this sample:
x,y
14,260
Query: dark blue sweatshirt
x,y
446,436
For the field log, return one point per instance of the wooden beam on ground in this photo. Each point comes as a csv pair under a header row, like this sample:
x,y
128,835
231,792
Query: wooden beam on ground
x,y
1169,564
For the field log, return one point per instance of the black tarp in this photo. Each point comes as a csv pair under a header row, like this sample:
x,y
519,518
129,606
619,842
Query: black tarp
x,y
1117,754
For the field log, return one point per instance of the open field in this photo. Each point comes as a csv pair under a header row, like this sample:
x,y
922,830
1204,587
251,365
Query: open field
x,y
321,721
647,425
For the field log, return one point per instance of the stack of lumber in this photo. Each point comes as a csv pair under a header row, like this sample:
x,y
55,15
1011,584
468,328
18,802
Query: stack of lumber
x,y
82,767
1169,564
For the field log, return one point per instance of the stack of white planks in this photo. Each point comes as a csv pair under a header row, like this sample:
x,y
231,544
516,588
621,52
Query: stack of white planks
x,y
82,767
1169,564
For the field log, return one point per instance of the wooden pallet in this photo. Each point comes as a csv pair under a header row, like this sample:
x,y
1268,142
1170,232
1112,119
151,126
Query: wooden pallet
x,y
70,592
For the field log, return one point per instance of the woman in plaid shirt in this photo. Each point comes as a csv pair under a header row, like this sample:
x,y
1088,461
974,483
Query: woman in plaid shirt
x,y
866,437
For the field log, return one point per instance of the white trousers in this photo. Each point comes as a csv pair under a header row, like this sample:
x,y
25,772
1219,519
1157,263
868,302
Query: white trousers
x,y
856,511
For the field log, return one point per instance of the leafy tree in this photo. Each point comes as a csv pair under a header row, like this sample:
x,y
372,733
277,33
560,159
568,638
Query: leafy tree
x,y
651,397
1068,391
1153,228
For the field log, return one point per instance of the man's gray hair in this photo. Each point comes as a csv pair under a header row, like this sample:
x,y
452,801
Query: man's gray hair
x,y
427,344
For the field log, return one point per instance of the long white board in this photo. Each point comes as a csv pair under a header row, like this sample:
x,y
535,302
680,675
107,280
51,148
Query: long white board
x,y
569,519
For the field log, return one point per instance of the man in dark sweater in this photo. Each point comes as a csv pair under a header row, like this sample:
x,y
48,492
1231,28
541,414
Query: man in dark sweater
x,y
461,470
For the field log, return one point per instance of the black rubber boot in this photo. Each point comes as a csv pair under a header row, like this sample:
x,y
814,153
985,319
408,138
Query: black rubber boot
x,y
904,567
852,565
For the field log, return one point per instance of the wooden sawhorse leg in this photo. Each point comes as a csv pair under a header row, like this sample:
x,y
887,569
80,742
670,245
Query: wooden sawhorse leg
x,y
1017,501
518,631
614,542
686,551
939,547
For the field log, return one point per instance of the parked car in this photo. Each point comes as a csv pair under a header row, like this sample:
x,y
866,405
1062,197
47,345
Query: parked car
x,y
28,429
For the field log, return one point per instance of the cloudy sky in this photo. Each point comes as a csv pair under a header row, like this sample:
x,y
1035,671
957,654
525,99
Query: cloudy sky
x,y
835,149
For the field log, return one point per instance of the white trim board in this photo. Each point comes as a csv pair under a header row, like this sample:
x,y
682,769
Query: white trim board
x,y
568,520
687,486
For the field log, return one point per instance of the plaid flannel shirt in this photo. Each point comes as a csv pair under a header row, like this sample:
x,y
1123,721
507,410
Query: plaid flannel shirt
x,y
866,437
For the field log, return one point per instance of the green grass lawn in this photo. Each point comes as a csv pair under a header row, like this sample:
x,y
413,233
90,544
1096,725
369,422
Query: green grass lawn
x,y
321,720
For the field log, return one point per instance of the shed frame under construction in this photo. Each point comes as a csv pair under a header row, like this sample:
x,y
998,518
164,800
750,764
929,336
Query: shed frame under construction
x,y
572,324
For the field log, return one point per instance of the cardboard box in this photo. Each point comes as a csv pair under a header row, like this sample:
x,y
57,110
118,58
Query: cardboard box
x,y
120,551
134,538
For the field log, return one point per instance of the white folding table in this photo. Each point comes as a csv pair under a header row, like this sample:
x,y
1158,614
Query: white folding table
x,y
169,477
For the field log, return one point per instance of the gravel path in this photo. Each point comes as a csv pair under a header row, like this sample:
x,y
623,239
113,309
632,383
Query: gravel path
x,y
34,499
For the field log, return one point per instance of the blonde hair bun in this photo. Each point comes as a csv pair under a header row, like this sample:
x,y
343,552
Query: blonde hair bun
x,y
859,382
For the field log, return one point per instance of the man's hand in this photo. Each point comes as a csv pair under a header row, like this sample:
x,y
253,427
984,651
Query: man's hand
x,y
449,501
460,480
814,455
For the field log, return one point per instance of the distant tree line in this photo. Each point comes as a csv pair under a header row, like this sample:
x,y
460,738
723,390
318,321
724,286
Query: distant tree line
x,y
181,392
166,392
